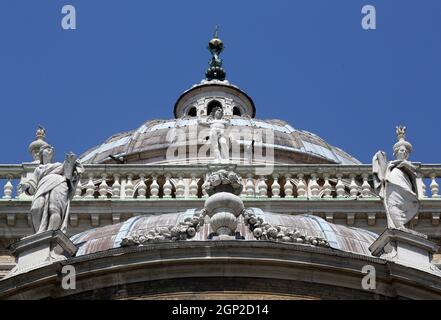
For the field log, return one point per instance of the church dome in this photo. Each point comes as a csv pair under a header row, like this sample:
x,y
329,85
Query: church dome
x,y
194,112
149,143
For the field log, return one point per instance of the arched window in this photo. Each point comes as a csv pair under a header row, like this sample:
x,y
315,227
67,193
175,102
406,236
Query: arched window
x,y
236,111
192,112
212,105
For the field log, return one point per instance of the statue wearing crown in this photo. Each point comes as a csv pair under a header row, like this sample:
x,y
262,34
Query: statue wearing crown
x,y
53,186
395,182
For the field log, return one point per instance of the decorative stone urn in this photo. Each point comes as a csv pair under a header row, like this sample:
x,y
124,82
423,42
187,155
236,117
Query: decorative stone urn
x,y
223,208
224,205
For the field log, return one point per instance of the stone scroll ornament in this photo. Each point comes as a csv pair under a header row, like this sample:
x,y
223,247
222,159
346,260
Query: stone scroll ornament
x,y
396,183
53,187
265,231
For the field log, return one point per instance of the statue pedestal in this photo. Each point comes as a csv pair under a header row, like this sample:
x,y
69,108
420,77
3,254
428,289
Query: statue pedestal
x,y
405,248
41,249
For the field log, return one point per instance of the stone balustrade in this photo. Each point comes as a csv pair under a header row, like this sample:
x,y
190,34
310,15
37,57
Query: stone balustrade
x,y
302,182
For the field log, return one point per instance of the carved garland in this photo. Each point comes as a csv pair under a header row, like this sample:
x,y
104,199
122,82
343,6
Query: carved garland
x,y
188,229
264,231
182,231
221,178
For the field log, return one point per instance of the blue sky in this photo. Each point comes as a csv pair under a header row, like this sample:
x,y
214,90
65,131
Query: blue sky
x,y
308,62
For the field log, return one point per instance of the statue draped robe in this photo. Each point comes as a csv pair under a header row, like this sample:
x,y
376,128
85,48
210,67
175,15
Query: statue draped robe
x,y
398,189
52,194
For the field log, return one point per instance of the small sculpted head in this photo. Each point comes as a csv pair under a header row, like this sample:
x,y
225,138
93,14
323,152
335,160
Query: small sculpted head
x,y
402,153
402,149
46,154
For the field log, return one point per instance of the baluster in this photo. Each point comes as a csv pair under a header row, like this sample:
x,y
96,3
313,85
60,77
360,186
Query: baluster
x,y
288,187
423,185
103,186
21,194
434,187
340,187
327,188
18,191
422,192
262,187
275,187
180,188
353,187
314,186
301,187
204,185
366,187
78,190
142,187
116,187
129,186
7,189
250,185
90,187
193,188
154,187
244,188
167,187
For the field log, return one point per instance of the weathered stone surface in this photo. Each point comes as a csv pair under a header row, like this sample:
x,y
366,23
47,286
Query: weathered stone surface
x,y
407,249
131,271
40,250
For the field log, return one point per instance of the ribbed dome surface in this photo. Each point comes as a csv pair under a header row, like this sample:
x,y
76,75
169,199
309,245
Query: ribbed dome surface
x,y
339,237
148,143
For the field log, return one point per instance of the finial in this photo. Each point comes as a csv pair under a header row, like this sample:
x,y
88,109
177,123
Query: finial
x,y
401,132
216,31
215,46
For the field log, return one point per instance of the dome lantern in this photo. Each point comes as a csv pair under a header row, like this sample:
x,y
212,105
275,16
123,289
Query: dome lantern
x,y
214,90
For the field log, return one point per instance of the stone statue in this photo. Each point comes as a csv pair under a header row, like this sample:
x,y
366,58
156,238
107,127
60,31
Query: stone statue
x,y
219,142
53,186
395,183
